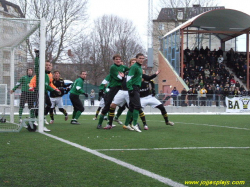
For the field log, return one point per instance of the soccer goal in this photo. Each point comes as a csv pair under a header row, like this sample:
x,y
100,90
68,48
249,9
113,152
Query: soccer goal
x,y
18,38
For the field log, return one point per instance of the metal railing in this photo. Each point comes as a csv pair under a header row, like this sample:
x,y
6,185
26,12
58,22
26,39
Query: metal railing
x,y
217,100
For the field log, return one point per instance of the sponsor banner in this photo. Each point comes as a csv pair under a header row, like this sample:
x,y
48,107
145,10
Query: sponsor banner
x,y
238,104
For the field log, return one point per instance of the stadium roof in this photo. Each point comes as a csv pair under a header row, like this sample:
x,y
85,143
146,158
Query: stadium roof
x,y
224,23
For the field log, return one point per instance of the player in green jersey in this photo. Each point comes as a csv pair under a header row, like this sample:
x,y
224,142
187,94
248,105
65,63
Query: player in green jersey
x,y
76,90
134,79
26,95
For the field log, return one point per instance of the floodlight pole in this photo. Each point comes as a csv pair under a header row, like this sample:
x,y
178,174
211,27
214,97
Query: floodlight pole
x,y
41,74
182,52
247,60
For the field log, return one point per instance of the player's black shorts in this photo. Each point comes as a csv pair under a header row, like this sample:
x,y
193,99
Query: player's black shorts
x,y
28,97
76,102
109,98
134,101
47,100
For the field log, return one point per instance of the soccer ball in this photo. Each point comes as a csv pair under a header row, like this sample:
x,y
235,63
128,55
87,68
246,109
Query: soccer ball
x,y
31,127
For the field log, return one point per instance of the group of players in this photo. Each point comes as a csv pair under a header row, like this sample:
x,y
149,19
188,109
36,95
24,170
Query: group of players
x,y
124,87
128,87
29,92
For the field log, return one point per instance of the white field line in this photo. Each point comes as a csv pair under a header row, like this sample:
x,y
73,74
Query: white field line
x,y
238,128
172,148
121,163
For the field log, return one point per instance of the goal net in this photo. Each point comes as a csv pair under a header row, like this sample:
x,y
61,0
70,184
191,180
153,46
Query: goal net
x,y
18,105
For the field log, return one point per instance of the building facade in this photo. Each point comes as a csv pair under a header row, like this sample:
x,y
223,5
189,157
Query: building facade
x,y
170,18
10,10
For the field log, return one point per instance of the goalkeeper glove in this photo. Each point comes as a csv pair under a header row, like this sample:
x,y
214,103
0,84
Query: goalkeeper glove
x,y
31,89
86,95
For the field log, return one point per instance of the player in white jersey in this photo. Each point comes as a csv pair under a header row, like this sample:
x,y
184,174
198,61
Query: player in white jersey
x,y
147,97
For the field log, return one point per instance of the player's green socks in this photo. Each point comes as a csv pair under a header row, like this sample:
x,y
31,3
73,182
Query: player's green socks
x,y
142,116
20,112
101,119
74,114
32,113
128,117
78,114
135,116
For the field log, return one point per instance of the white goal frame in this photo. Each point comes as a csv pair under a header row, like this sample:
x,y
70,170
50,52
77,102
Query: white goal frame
x,y
11,47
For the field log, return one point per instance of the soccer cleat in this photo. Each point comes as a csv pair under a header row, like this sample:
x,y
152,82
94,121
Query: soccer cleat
x,y
139,127
45,129
145,127
35,123
94,118
51,122
99,126
108,127
20,121
66,118
118,121
129,128
75,122
135,127
46,122
170,123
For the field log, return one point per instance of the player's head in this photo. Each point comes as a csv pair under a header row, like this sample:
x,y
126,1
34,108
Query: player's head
x,y
132,61
48,66
56,74
83,74
140,58
29,71
117,59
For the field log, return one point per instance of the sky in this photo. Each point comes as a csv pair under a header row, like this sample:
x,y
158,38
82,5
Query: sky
x,y
137,11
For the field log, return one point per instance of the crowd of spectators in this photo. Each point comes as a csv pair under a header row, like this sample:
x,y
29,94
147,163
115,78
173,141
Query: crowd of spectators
x,y
208,79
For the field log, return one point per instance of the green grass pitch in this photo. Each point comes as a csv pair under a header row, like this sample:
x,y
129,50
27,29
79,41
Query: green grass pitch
x,y
196,148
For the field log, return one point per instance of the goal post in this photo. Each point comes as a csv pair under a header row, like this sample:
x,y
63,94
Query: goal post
x,y
17,69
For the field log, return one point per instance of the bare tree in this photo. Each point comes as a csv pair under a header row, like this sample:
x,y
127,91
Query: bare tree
x,y
65,21
116,35
110,35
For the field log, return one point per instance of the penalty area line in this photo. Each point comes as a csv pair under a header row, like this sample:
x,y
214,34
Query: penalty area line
x,y
238,128
172,148
119,162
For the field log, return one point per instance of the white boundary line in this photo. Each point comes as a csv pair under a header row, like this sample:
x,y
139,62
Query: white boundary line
x,y
206,125
216,126
172,148
121,163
